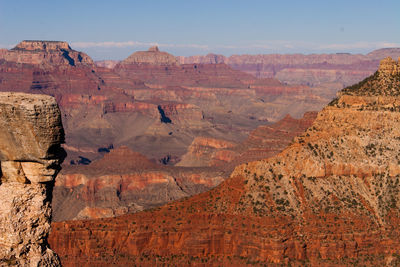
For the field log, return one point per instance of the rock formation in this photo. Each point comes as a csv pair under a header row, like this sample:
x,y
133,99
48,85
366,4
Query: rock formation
x,y
42,52
263,142
30,157
152,56
330,72
124,182
332,197
199,98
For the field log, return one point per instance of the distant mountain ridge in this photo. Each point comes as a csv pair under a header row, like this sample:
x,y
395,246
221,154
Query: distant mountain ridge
x,y
330,72
317,70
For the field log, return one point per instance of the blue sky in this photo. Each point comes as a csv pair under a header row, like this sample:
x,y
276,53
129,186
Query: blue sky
x,y
114,29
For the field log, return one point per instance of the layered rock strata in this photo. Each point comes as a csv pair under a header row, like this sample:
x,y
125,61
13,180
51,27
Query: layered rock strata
x,y
331,198
330,72
122,182
263,142
46,52
30,156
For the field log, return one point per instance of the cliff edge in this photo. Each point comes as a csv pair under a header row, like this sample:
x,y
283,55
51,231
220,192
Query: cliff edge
x,y
38,52
31,133
331,198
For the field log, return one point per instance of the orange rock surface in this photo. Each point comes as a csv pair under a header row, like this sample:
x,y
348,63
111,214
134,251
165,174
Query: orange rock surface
x,y
122,182
263,142
331,198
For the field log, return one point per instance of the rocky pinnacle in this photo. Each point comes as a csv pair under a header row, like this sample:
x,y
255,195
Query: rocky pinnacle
x,y
31,133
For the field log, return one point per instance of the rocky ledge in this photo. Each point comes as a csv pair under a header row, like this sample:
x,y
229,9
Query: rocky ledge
x,y
41,45
31,133
45,52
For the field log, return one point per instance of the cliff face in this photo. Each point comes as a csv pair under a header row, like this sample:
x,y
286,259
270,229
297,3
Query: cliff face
x,y
30,156
47,67
197,98
124,104
329,72
124,182
42,52
263,142
331,198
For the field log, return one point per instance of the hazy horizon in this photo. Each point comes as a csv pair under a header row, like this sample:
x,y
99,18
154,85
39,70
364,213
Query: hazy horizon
x,y
114,30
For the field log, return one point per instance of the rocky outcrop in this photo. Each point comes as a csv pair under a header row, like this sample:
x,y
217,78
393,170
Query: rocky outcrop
x,y
122,182
30,157
332,197
389,67
203,151
263,142
152,56
46,52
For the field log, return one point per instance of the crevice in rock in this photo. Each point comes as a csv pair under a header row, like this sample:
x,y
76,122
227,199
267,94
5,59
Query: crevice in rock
x,y
164,119
71,61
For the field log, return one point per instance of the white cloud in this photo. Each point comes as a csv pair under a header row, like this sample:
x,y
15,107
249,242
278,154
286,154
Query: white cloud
x,y
112,44
259,46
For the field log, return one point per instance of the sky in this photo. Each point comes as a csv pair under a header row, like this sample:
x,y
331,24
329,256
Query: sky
x,y
116,28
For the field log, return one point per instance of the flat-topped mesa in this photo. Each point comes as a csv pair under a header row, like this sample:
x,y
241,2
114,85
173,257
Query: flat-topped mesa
x,y
153,56
46,52
31,134
41,45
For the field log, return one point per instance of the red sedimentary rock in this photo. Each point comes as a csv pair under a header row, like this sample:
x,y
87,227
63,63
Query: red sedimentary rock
x,y
330,198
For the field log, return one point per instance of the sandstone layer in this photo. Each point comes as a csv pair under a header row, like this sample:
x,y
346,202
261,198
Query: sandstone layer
x,y
30,157
156,109
263,142
329,72
331,198
123,182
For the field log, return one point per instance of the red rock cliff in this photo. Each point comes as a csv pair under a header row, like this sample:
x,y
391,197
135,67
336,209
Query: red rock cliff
x,y
330,198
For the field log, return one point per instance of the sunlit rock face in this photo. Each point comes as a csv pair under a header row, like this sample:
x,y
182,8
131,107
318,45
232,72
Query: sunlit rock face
x,y
31,134
331,198
45,52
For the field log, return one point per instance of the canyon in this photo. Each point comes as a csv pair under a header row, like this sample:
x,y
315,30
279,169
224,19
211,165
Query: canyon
x,y
330,198
204,118
151,104
124,181
102,106
249,175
